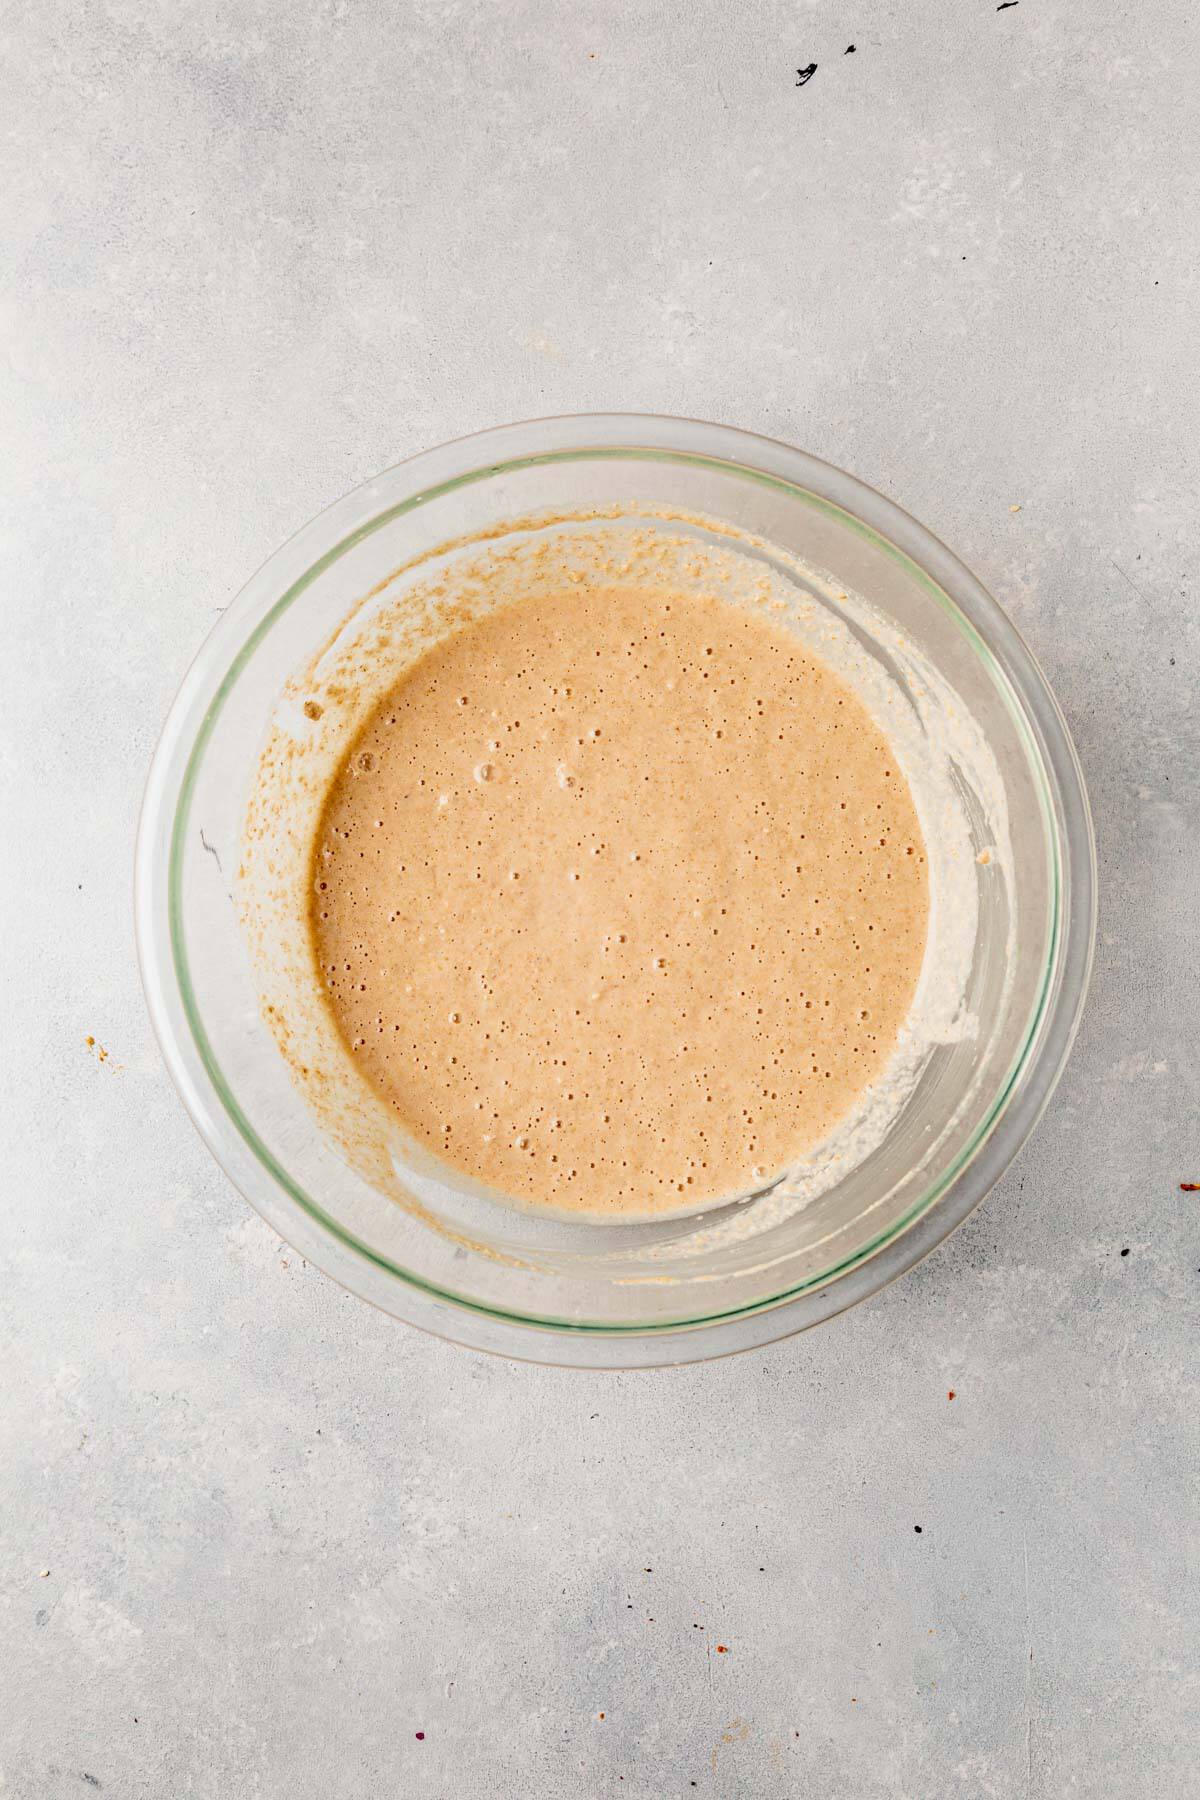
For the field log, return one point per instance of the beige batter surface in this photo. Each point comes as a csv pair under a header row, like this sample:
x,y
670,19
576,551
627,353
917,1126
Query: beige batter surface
x,y
620,900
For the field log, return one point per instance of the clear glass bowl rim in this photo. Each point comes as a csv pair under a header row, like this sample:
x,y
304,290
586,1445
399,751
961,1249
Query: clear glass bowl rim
x,y
950,1197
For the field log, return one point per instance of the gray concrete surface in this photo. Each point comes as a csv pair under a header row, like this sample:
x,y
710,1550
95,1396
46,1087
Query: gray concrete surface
x,y
255,1539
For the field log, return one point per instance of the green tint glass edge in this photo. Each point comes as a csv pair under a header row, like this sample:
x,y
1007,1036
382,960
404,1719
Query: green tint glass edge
x,y
200,1036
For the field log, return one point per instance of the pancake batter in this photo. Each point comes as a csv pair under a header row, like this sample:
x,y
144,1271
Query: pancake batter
x,y
620,900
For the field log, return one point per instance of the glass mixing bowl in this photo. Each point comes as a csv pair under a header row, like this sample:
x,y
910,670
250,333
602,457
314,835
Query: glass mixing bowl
x,y
508,1281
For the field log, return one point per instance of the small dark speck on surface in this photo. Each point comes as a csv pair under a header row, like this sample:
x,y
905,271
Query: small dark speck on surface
x,y
849,50
803,75
917,1529
1125,1252
90,1779
1005,4
419,1736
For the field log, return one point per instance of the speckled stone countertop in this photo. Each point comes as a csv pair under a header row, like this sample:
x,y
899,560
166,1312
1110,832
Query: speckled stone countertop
x,y
257,1540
